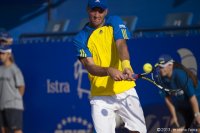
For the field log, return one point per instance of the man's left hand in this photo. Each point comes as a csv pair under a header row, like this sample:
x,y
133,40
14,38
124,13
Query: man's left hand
x,y
128,74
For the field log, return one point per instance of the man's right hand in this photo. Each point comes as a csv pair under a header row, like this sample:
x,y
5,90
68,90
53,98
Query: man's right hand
x,y
115,74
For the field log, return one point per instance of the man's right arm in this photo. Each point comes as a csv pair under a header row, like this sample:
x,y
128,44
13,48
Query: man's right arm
x,y
86,59
101,71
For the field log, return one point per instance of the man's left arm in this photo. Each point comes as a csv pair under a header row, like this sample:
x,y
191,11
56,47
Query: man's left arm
x,y
121,34
124,57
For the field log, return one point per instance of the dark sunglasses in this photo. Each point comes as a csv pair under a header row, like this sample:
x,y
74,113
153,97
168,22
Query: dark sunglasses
x,y
100,10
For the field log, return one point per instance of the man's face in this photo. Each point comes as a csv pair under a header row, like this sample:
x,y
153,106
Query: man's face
x,y
165,71
4,57
96,16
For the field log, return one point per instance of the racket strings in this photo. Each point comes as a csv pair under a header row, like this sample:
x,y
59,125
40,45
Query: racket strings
x,y
157,78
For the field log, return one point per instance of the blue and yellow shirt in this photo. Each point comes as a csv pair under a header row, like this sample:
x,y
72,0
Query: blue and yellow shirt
x,y
100,45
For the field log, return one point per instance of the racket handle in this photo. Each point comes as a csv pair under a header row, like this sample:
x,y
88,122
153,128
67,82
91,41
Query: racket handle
x,y
135,76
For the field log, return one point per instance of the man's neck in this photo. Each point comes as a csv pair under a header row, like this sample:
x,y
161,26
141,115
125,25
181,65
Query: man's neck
x,y
8,63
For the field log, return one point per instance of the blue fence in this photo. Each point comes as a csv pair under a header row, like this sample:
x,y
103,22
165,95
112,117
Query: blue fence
x,y
57,87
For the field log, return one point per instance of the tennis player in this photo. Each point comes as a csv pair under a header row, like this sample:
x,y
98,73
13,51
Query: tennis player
x,y
101,48
11,92
184,104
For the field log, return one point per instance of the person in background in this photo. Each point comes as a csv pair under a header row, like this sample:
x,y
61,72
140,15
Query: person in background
x,y
5,38
183,104
12,89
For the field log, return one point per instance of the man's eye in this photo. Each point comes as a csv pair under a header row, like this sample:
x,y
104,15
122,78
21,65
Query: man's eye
x,y
98,10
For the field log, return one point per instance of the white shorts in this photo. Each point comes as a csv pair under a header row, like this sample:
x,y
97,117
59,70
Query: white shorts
x,y
126,105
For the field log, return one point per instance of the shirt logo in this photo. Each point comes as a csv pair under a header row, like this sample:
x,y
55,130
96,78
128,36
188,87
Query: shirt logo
x,y
101,31
122,26
82,53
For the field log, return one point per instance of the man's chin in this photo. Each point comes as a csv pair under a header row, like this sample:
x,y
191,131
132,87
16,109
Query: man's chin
x,y
163,75
96,24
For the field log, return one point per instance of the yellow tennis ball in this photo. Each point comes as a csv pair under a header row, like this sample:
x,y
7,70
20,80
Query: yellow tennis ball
x,y
147,68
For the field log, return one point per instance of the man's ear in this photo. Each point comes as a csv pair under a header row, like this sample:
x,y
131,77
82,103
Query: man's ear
x,y
87,9
106,12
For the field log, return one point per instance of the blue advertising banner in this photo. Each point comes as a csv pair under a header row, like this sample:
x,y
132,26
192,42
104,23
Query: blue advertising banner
x,y
57,87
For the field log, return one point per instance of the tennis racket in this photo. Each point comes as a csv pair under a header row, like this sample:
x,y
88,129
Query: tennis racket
x,y
154,78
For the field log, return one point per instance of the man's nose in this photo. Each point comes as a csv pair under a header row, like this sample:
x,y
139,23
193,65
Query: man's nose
x,y
96,13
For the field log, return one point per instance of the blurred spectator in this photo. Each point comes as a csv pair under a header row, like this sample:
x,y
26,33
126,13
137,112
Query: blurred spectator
x,y
12,88
5,38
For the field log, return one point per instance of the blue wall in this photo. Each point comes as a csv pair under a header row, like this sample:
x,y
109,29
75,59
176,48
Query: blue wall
x,y
56,97
151,13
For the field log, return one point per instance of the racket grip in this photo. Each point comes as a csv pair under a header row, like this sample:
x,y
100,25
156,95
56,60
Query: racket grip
x,y
135,76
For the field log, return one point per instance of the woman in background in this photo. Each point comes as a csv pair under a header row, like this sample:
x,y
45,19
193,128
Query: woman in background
x,y
184,103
